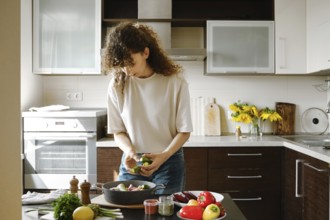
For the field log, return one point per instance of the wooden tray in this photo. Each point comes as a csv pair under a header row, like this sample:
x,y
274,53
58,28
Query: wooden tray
x,y
100,200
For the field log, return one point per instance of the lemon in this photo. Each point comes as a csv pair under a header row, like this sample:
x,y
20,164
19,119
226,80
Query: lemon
x,y
83,213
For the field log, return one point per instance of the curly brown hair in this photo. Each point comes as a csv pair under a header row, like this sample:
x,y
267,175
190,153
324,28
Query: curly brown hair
x,y
127,38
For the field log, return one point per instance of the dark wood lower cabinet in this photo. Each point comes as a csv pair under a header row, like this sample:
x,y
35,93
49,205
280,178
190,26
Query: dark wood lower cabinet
x,y
196,168
257,178
108,162
252,177
306,188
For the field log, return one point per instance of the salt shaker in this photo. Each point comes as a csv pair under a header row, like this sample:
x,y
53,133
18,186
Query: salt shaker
x,y
85,187
74,185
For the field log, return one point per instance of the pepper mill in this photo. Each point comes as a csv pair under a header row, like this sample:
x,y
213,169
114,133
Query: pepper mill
x,y
74,185
85,187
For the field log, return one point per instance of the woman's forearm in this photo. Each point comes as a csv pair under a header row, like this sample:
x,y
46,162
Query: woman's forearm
x,y
177,142
123,142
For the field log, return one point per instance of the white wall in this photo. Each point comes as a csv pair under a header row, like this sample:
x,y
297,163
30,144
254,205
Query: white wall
x,y
264,90
10,139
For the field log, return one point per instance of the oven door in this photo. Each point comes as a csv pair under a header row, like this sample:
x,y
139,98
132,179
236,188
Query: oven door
x,y
51,159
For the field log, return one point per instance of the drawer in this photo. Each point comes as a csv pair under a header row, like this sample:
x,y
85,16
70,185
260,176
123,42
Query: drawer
x,y
259,206
245,157
242,180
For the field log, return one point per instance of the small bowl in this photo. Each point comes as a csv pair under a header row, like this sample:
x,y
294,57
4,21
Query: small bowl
x,y
150,206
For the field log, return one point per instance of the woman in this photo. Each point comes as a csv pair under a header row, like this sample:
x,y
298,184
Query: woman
x,y
148,106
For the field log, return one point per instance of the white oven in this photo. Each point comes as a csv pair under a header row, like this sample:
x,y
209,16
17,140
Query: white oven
x,y
57,148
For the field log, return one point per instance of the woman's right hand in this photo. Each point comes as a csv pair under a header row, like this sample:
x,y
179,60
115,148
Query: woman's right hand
x,y
131,159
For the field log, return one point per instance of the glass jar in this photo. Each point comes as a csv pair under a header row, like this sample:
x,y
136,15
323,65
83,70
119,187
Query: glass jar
x,y
166,206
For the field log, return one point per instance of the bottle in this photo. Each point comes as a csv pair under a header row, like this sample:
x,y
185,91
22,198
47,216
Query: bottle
x,y
238,132
166,206
85,187
74,185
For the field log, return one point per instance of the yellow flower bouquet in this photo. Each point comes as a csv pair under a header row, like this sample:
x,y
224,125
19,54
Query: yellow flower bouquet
x,y
249,114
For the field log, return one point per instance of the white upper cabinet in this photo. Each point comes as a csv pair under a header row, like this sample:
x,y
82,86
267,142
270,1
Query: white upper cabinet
x,y
240,47
318,35
290,37
66,36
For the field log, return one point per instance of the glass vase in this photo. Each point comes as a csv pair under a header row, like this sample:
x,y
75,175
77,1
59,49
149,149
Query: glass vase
x,y
254,128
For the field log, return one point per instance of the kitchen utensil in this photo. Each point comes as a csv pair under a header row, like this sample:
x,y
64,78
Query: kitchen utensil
x,y
314,121
129,197
212,119
286,126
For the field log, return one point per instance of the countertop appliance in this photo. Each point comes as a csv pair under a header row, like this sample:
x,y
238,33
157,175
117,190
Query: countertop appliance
x,y
58,145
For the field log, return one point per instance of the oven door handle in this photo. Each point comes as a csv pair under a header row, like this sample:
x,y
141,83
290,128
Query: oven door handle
x,y
61,136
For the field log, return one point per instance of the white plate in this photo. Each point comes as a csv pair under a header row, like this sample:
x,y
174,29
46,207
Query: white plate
x,y
178,214
218,197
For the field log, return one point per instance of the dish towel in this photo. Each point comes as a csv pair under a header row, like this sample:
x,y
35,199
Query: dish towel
x,y
40,198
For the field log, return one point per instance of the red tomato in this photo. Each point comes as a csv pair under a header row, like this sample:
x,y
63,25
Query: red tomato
x,y
205,198
192,212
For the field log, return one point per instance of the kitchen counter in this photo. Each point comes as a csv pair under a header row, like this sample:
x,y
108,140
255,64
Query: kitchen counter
x,y
233,212
232,141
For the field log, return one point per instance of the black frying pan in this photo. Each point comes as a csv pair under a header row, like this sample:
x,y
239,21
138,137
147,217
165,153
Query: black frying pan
x,y
129,197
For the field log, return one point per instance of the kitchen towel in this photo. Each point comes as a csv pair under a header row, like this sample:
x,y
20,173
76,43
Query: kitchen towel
x,y
40,198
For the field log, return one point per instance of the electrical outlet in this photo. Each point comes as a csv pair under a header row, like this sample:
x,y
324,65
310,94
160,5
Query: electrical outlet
x,y
74,96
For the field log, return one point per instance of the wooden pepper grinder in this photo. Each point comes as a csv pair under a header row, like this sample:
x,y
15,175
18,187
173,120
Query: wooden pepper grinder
x,y
85,187
74,185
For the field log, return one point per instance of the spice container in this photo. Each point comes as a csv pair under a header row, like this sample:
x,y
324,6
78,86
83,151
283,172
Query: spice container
x,y
166,205
238,132
150,206
85,187
74,185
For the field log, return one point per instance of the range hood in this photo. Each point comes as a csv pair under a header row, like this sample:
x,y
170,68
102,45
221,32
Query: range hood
x,y
162,9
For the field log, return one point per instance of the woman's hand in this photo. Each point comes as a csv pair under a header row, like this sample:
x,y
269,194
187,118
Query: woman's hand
x,y
131,159
157,160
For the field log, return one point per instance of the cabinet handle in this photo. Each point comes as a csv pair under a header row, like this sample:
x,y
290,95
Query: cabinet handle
x,y
314,168
247,199
245,177
282,49
240,155
297,178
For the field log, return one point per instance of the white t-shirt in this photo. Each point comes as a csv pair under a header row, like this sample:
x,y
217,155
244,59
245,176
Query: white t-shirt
x,y
152,110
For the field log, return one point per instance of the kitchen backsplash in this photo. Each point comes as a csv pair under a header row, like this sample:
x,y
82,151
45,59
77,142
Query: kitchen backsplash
x,y
261,90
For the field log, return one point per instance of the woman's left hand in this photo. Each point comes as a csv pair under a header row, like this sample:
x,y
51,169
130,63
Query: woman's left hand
x,y
157,160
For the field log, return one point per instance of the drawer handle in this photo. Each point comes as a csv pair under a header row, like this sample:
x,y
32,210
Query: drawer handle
x,y
297,182
314,168
247,199
245,177
242,155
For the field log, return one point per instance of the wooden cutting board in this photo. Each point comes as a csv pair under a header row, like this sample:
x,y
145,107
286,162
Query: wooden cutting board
x,y
286,126
212,122
100,200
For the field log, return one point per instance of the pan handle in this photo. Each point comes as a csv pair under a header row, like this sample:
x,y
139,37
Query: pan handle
x,y
157,187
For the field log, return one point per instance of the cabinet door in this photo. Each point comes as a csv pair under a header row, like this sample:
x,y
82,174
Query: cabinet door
x,y
316,190
290,42
240,47
292,198
318,35
66,36
108,162
196,168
